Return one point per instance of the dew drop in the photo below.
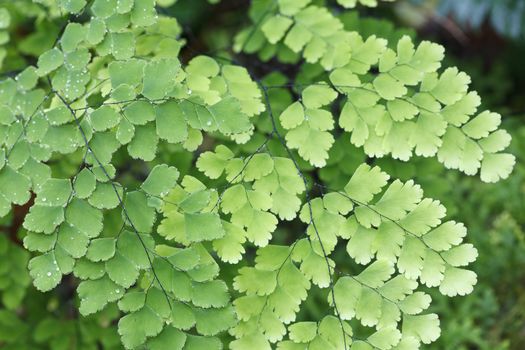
(49, 274)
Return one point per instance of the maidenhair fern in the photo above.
(114, 84)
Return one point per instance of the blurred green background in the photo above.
(485, 38)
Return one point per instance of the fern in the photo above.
(407, 108)
(113, 86)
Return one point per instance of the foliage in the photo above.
(188, 254)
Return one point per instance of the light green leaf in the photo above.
(275, 28)
(497, 166)
(292, 116)
(316, 96)
(388, 87)
(365, 183)
(422, 327)
(457, 282)
(213, 163)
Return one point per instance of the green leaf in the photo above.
(261, 164)
(144, 143)
(210, 294)
(106, 196)
(160, 180)
(101, 249)
(73, 35)
(44, 219)
(49, 61)
(73, 6)
(136, 327)
(482, 125)
(451, 86)
(250, 341)
(213, 163)
(96, 31)
(311, 138)
(428, 56)
(401, 110)
(385, 338)
(125, 131)
(96, 294)
(365, 183)
(275, 28)
(253, 281)
(388, 87)
(203, 227)
(376, 273)
(303, 332)
(84, 217)
(132, 301)
(140, 112)
(317, 96)
(72, 241)
(122, 45)
(104, 118)
(127, 72)
(213, 321)
(14, 186)
(315, 267)
(143, 13)
(422, 327)
(169, 337)
(103, 8)
(202, 343)
(292, 116)
(54, 193)
(59, 115)
(45, 272)
(121, 271)
(159, 77)
(137, 213)
(204, 66)
(84, 184)
(445, 236)
(27, 79)
(457, 282)
(497, 166)
(229, 117)
(171, 123)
